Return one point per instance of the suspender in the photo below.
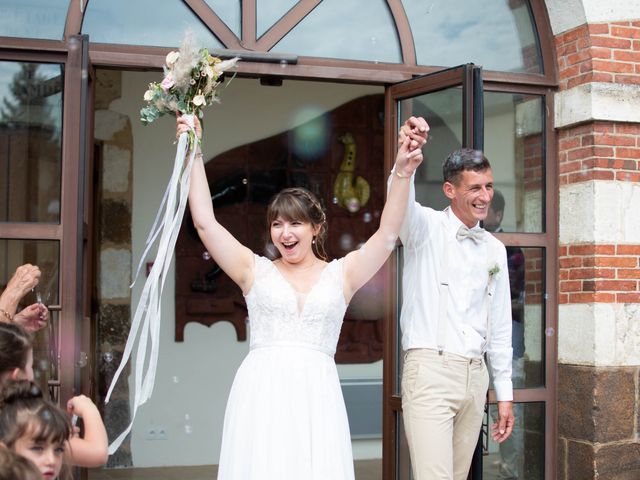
(444, 292)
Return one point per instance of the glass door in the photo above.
(43, 194)
(451, 102)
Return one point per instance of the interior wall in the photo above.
(194, 377)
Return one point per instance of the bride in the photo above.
(285, 417)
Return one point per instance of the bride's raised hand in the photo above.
(183, 125)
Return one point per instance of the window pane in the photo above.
(30, 141)
(497, 35)
(44, 254)
(403, 459)
(526, 276)
(330, 31)
(522, 454)
(119, 21)
(229, 13)
(33, 18)
(269, 12)
(514, 144)
(443, 112)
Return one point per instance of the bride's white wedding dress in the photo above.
(285, 417)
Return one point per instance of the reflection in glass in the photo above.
(30, 141)
(370, 32)
(268, 12)
(514, 144)
(229, 13)
(403, 460)
(497, 35)
(46, 255)
(522, 454)
(33, 18)
(526, 276)
(443, 112)
(119, 21)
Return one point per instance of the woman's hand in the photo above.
(182, 125)
(32, 318)
(411, 138)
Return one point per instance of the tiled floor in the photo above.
(365, 470)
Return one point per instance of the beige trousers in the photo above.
(443, 399)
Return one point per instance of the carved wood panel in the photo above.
(242, 182)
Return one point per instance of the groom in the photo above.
(456, 308)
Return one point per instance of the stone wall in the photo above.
(114, 147)
(598, 122)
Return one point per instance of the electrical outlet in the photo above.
(151, 433)
(161, 433)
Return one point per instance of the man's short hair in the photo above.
(497, 202)
(461, 160)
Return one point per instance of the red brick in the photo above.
(581, 273)
(579, 80)
(627, 177)
(603, 127)
(574, 34)
(579, 57)
(616, 285)
(615, 67)
(602, 53)
(570, 71)
(625, 32)
(636, 45)
(591, 175)
(628, 79)
(580, 153)
(589, 286)
(615, 140)
(626, 56)
(571, 286)
(628, 249)
(609, 42)
(591, 297)
(598, 28)
(627, 152)
(570, 262)
(588, 249)
(630, 273)
(615, 261)
(563, 50)
(627, 128)
(602, 77)
(628, 297)
(567, 167)
(600, 249)
(587, 68)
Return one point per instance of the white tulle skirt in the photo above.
(286, 419)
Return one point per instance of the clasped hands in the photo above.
(411, 138)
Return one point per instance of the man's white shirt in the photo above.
(478, 278)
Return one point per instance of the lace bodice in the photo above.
(274, 315)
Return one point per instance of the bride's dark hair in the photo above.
(299, 204)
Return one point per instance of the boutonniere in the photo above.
(494, 270)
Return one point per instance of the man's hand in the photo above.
(32, 318)
(501, 430)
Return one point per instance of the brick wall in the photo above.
(599, 261)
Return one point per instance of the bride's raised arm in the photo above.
(362, 264)
(232, 257)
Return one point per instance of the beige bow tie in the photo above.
(477, 235)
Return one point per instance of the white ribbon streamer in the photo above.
(146, 320)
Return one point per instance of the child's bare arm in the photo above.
(92, 449)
